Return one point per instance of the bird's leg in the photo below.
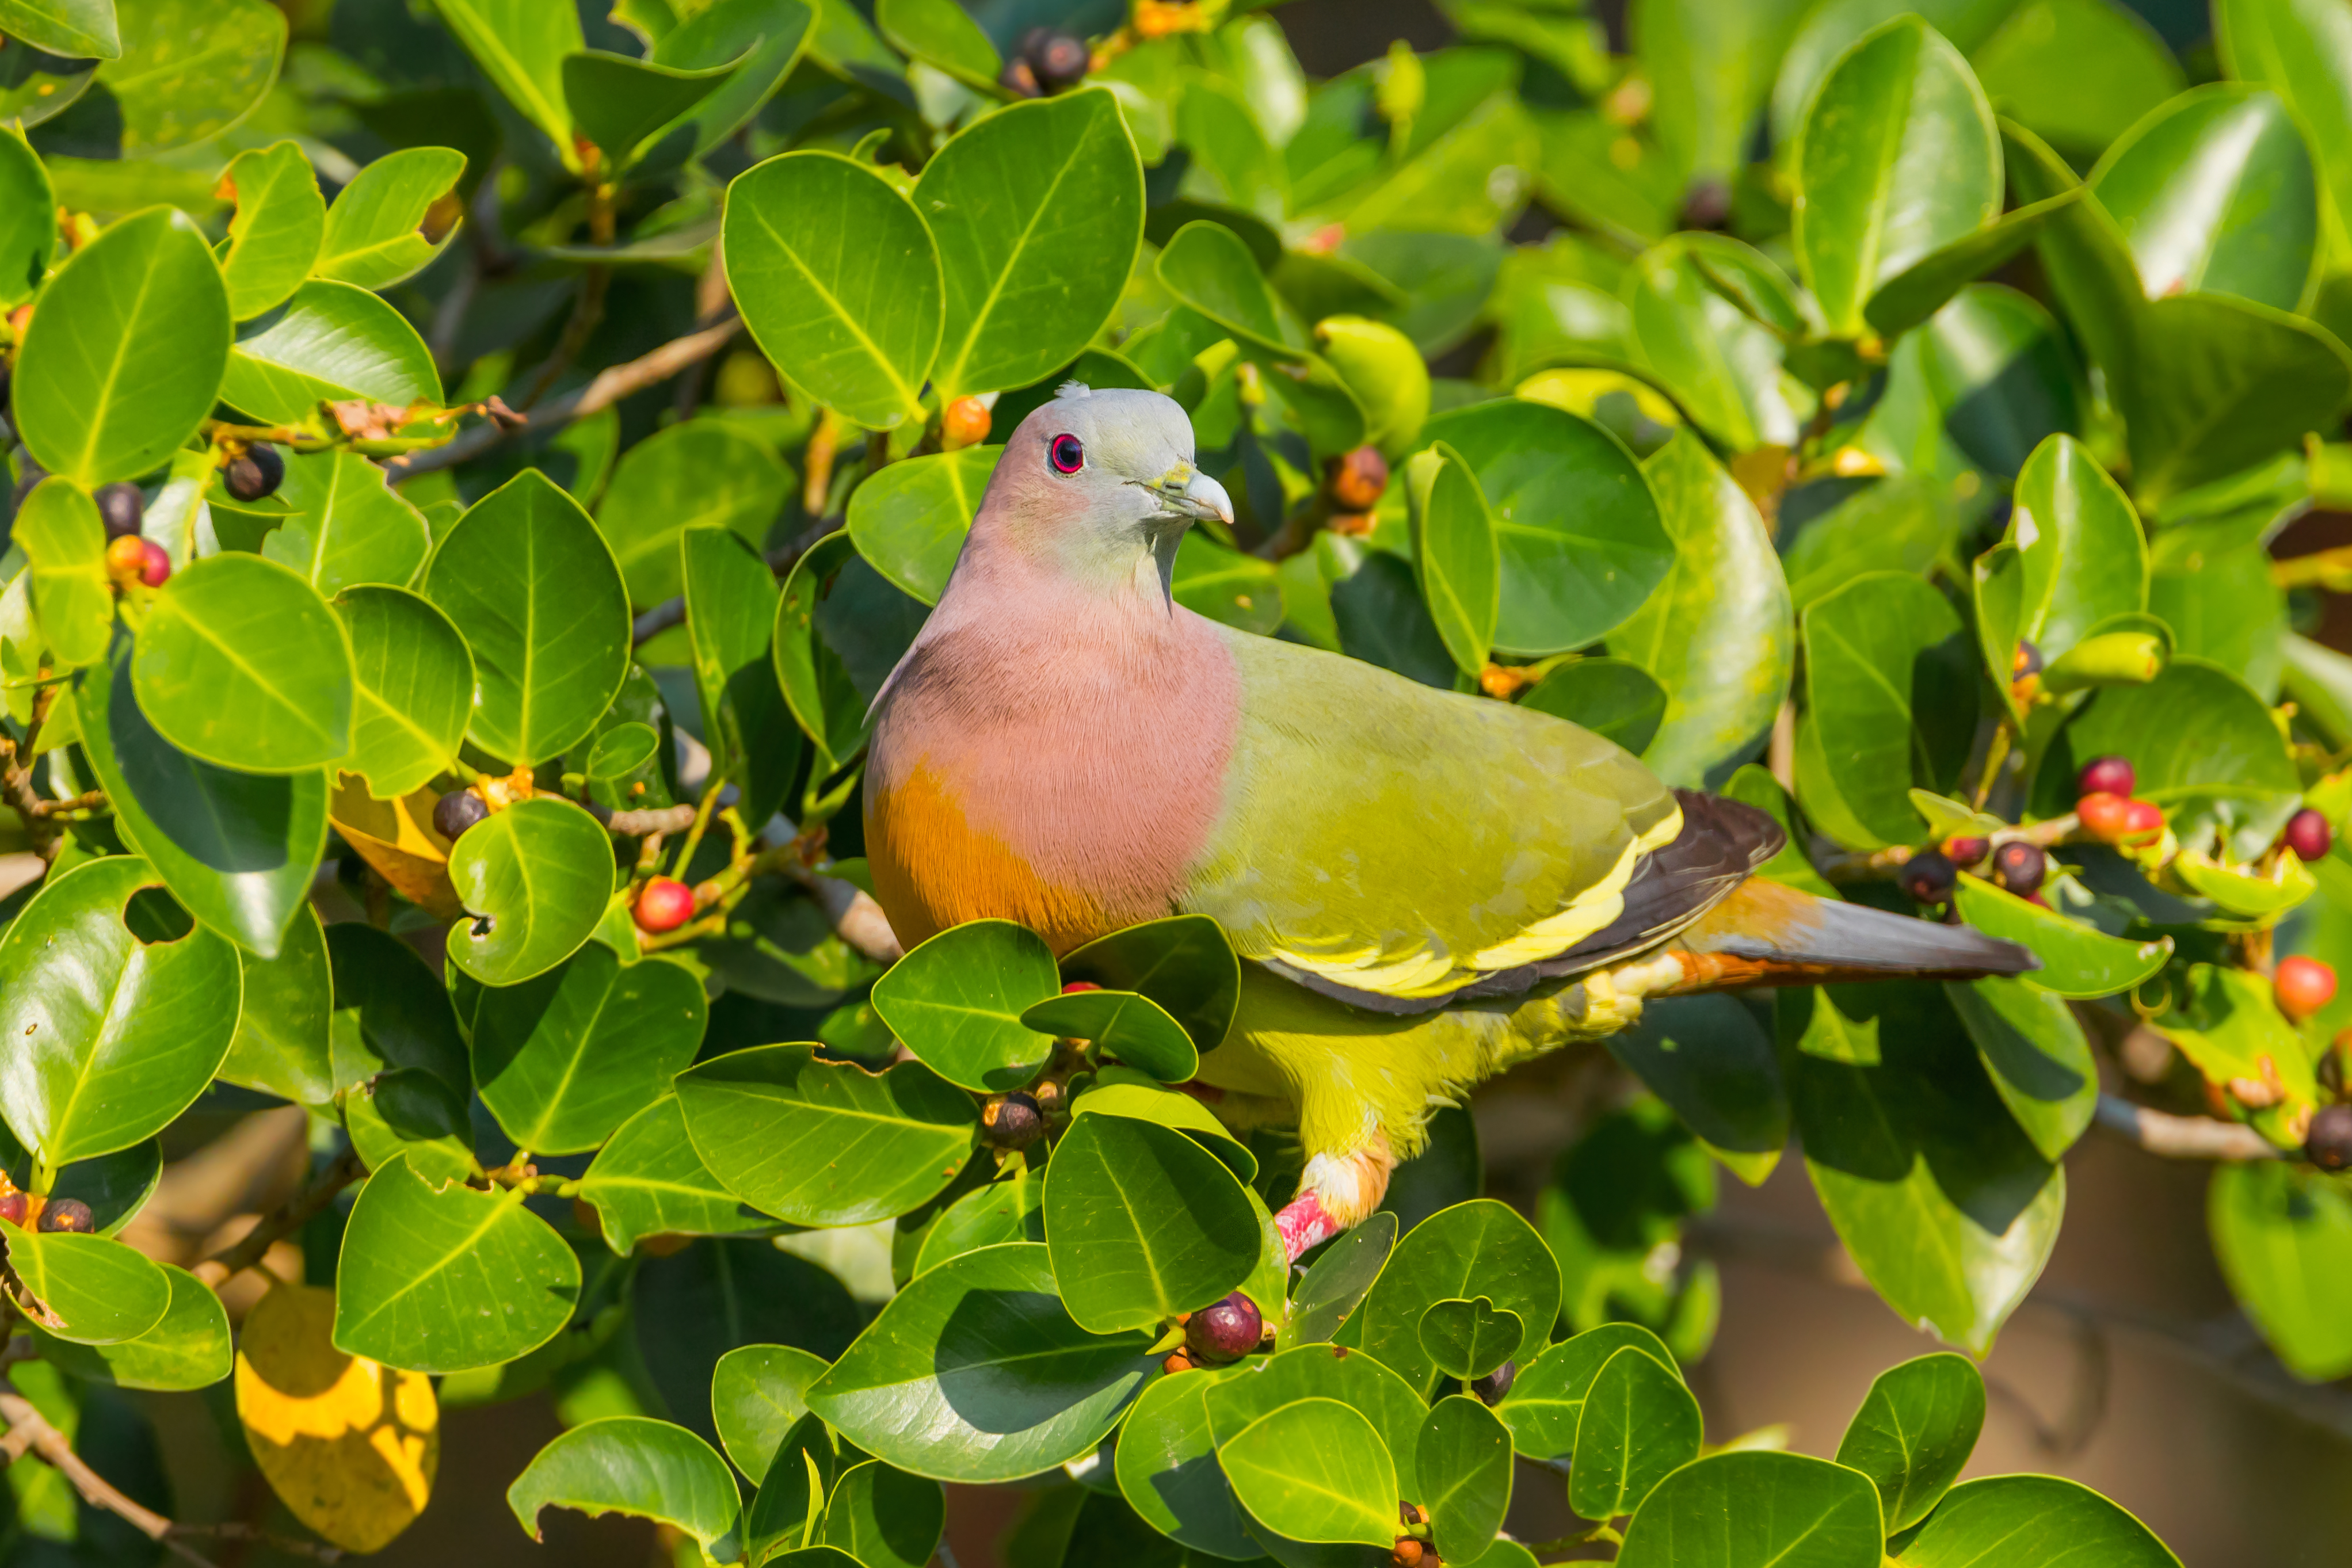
(1335, 1192)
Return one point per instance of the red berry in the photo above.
(156, 564)
(2143, 822)
(2307, 835)
(1225, 1331)
(2302, 987)
(70, 1214)
(13, 1204)
(2106, 816)
(1077, 985)
(1967, 850)
(664, 903)
(1929, 877)
(2328, 1145)
(2106, 775)
(2021, 866)
(964, 423)
(1358, 480)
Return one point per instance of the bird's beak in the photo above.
(1188, 490)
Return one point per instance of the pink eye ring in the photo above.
(1065, 453)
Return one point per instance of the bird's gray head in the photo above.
(1100, 479)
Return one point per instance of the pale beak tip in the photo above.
(1209, 498)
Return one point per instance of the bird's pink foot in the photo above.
(1303, 1222)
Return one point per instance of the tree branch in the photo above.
(283, 1220)
(2183, 1137)
(610, 387)
(29, 1432)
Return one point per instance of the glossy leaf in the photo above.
(2039, 1058)
(1929, 283)
(392, 1012)
(1124, 1027)
(1467, 1340)
(885, 1518)
(1338, 1283)
(784, 1516)
(531, 587)
(371, 234)
(940, 34)
(1183, 963)
(1225, 585)
(1455, 549)
(897, 1138)
(1638, 1425)
(1714, 69)
(412, 688)
(534, 880)
(1463, 1460)
(441, 1282)
(348, 527)
(1011, 1209)
(281, 1046)
(1898, 159)
(1614, 699)
(1166, 1466)
(910, 520)
(617, 101)
(957, 1002)
(1724, 589)
(274, 238)
(1314, 1470)
(188, 1347)
(2077, 72)
(839, 281)
(1545, 1401)
(564, 1060)
(2223, 383)
(1475, 1248)
(2303, 52)
(2032, 1522)
(757, 1396)
(1707, 1059)
(774, 31)
(29, 220)
(125, 355)
(520, 46)
(113, 1028)
(64, 542)
(1038, 211)
(630, 1465)
(237, 849)
(1916, 1428)
(730, 617)
(2079, 558)
(1722, 367)
(816, 682)
(2283, 1239)
(242, 664)
(1756, 1511)
(191, 69)
(975, 1372)
(1209, 268)
(69, 27)
(691, 1307)
(85, 1290)
(1893, 689)
(648, 1181)
(701, 474)
(330, 341)
(1143, 1224)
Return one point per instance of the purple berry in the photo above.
(1930, 877)
(13, 1204)
(2308, 836)
(254, 473)
(2026, 660)
(67, 1214)
(1225, 1331)
(2328, 1145)
(456, 811)
(119, 506)
(1059, 58)
(1498, 1382)
(2106, 775)
(2021, 866)
(1013, 1122)
(1707, 205)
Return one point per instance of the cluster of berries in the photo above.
(662, 904)
(1048, 61)
(69, 1215)
(250, 475)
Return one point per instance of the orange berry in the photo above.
(2302, 987)
(663, 905)
(126, 558)
(964, 423)
(2106, 816)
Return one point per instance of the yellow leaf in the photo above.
(351, 1445)
(396, 837)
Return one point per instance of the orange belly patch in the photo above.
(933, 869)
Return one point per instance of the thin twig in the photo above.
(610, 387)
(29, 1431)
(284, 1221)
(654, 820)
(2184, 1137)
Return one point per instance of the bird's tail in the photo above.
(1766, 934)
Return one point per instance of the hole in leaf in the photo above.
(481, 926)
(154, 916)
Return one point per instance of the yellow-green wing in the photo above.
(1392, 839)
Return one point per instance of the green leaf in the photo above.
(125, 355)
(957, 998)
(534, 879)
(1722, 367)
(564, 1060)
(412, 1114)
(1942, 1202)
(910, 520)
(1898, 158)
(1331, 1290)
(412, 688)
(1614, 699)
(1916, 1428)
(1893, 687)
(1455, 554)
(839, 281)
(1037, 211)
(692, 1307)
(940, 34)
(65, 545)
(617, 102)
(2224, 383)
(2075, 550)
(2039, 1058)
(774, 30)
(1208, 267)
(1707, 1059)
(520, 46)
(348, 525)
(1314, 1470)
(634, 1465)
(330, 341)
(188, 1347)
(1638, 1425)
(1010, 1208)
(239, 663)
(275, 236)
(1790, 867)
(1475, 1248)
(1143, 1223)
(703, 472)
(648, 1181)
(756, 1395)
(73, 28)
(29, 220)
(895, 1138)
(784, 1516)
(281, 1045)
(2078, 72)
(1323, 1372)
(730, 618)
(1928, 285)
(1545, 1401)
(1579, 535)
(1758, 1510)
(529, 584)
(90, 1289)
(113, 1028)
(884, 1517)
(976, 1372)
(237, 849)
(2215, 194)
(442, 1281)
(1712, 65)
(1463, 1459)
(1467, 1340)
(2032, 1522)
(391, 1010)
(1226, 586)
(2303, 53)
(816, 682)
(2283, 1239)
(1185, 963)
(191, 69)
(1724, 589)
(1124, 1026)
(1166, 1466)
(373, 236)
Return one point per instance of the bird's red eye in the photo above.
(1066, 455)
